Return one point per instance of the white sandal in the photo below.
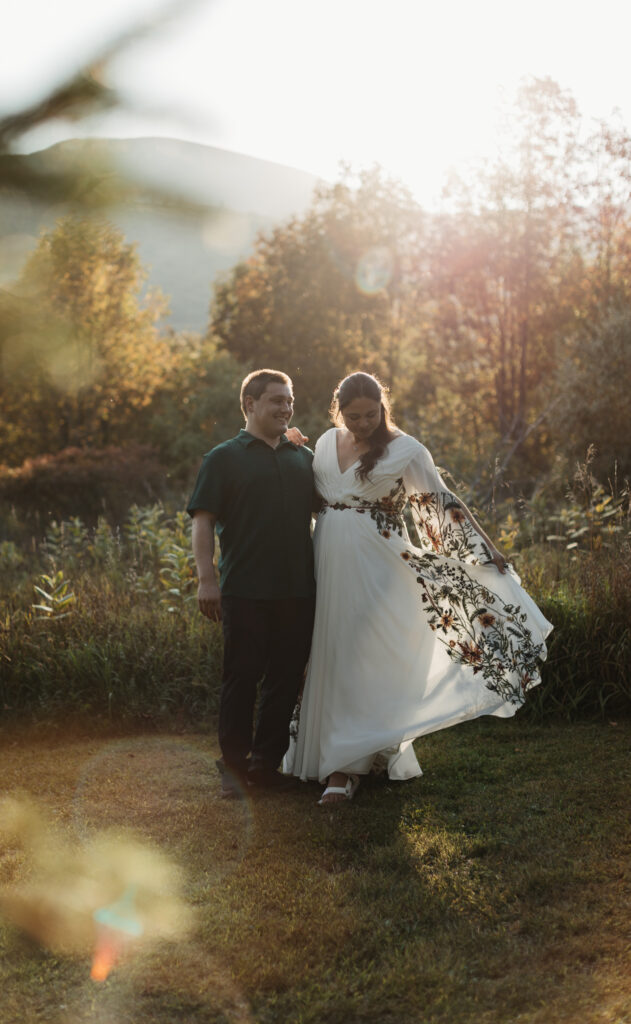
(348, 791)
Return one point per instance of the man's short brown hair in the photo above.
(256, 382)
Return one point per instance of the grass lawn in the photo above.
(494, 889)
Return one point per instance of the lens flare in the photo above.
(84, 885)
(63, 888)
(374, 270)
(106, 955)
(226, 230)
(61, 356)
(121, 916)
(117, 925)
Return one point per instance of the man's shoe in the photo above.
(230, 788)
(261, 777)
(233, 781)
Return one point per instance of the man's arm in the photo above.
(208, 593)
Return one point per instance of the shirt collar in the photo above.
(246, 439)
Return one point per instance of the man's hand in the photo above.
(208, 594)
(209, 600)
(296, 436)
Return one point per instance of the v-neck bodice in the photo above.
(337, 456)
(335, 484)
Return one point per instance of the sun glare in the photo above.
(410, 85)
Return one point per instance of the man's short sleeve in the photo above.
(209, 490)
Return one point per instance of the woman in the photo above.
(412, 634)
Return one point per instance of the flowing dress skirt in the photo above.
(395, 653)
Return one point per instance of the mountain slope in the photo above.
(183, 250)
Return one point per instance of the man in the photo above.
(257, 490)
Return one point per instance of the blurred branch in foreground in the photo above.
(85, 92)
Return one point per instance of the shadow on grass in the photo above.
(490, 890)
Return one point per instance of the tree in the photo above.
(506, 266)
(82, 353)
(195, 407)
(607, 232)
(594, 406)
(325, 294)
(468, 313)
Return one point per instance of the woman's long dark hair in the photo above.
(364, 385)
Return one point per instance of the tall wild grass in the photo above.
(576, 562)
(102, 623)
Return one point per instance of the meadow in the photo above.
(100, 624)
(492, 889)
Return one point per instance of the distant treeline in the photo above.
(502, 323)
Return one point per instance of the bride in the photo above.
(414, 631)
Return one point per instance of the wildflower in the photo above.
(446, 620)
(471, 653)
(487, 619)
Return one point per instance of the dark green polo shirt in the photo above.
(262, 498)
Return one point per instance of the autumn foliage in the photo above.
(98, 481)
(501, 321)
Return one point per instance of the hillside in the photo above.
(182, 249)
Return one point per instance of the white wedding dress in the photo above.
(413, 633)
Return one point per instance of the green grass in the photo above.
(491, 890)
(123, 654)
(117, 657)
(587, 597)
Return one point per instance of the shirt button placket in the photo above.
(284, 520)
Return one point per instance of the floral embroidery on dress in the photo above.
(295, 720)
(495, 642)
(386, 512)
(443, 526)
(472, 622)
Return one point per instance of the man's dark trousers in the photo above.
(267, 642)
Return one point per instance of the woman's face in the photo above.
(362, 417)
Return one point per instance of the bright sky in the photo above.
(411, 84)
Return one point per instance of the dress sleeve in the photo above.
(438, 514)
(420, 474)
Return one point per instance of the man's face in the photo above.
(270, 414)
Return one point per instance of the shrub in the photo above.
(82, 483)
